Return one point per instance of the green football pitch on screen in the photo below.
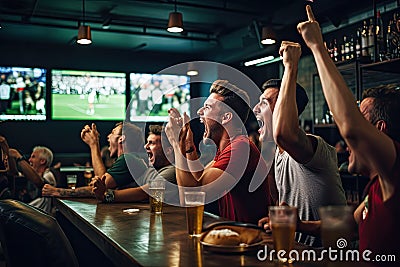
(77, 107)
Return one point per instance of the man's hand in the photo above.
(310, 30)
(99, 187)
(50, 191)
(14, 153)
(290, 52)
(90, 135)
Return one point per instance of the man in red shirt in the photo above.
(228, 177)
(372, 133)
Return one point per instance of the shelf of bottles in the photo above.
(372, 41)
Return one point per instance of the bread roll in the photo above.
(232, 236)
(225, 237)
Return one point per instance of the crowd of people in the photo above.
(304, 170)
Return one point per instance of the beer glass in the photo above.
(282, 220)
(194, 202)
(71, 181)
(157, 189)
(336, 225)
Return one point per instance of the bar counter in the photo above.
(145, 239)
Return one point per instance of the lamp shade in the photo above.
(175, 22)
(268, 35)
(84, 35)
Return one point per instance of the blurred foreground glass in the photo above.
(336, 225)
(194, 202)
(157, 189)
(282, 220)
(71, 181)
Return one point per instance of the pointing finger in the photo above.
(310, 14)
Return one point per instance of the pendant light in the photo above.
(175, 22)
(84, 34)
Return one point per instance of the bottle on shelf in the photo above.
(346, 44)
(358, 44)
(380, 41)
(371, 39)
(389, 41)
(342, 53)
(335, 51)
(364, 40)
(351, 44)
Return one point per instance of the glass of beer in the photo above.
(336, 226)
(157, 189)
(71, 181)
(194, 202)
(282, 220)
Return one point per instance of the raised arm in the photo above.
(181, 138)
(372, 146)
(90, 136)
(26, 168)
(287, 133)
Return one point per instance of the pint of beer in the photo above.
(157, 189)
(336, 226)
(283, 221)
(194, 202)
(156, 200)
(71, 181)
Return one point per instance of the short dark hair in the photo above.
(237, 99)
(160, 131)
(134, 136)
(301, 95)
(386, 107)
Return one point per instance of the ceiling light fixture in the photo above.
(268, 35)
(175, 22)
(258, 61)
(192, 73)
(84, 34)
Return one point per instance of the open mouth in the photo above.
(150, 155)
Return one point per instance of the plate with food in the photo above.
(228, 237)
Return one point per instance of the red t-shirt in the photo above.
(379, 231)
(241, 159)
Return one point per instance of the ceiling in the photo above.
(221, 30)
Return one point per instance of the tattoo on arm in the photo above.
(78, 192)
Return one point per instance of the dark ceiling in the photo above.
(221, 30)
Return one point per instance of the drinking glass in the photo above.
(194, 202)
(336, 225)
(157, 190)
(71, 181)
(282, 220)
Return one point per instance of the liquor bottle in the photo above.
(342, 53)
(351, 44)
(364, 39)
(371, 39)
(346, 47)
(379, 36)
(330, 50)
(358, 44)
(335, 51)
(389, 41)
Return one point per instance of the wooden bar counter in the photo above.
(145, 239)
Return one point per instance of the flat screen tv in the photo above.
(22, 93)
(87, 95)
(153, 94)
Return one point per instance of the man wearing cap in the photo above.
(306, 172)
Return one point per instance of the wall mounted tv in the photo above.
(22, 93)
(153, 94)
(88, 95)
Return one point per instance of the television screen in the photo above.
(22, 93)
(153, 94)
(88, 95)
